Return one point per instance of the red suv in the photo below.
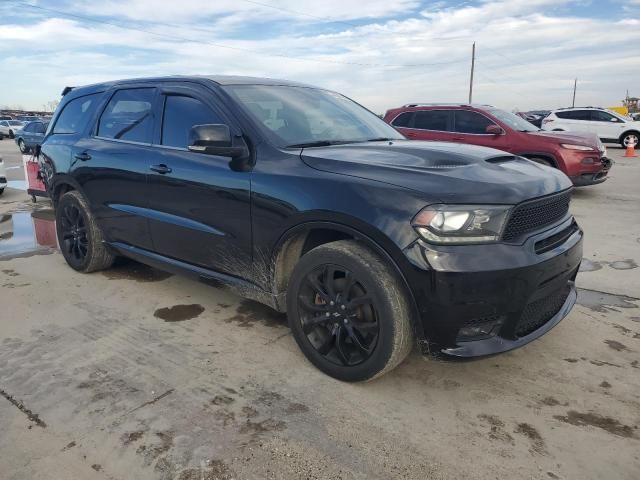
(581, 156)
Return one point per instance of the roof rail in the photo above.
(447, 104)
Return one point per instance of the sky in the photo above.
(381, 53)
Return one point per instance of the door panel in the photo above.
(201, 207)
(112, 166)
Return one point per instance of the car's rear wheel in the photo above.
(349, 311)
(79, 237)
(23, 148)
(630, 138)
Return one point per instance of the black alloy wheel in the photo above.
(74, 233)
(340, 319)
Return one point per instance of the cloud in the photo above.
(528, 52)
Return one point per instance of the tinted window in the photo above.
(39, 127)
(29, 127)
(128, 116)
(598, 116)
(402, 120)
(74, 116)
(471, 122)
(180, 114)
(574, 115)
(432, 120)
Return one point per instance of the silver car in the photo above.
(8, 128)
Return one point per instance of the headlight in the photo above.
(571, 146)
(455, 224)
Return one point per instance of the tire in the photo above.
(80, 239)
(629, 138)
(356, 326)
(23, 148)
(1, 190)
(11, 134)
(542, 161)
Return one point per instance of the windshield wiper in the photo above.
(318, 143)
(381, 139)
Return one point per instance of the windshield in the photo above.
(302, 116)
(14, 122)
(514, 121)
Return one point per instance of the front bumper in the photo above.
(517, 293)
(595, 177)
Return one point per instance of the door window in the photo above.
(75, 114)
(599, 116)
(180, 115)
(128, 116)
(471, 122)
(574, 115)
(439, 120)
(39, 127)
(29, 128)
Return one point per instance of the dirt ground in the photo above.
(133, 373)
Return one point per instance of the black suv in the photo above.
(301, 199)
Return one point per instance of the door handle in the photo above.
(84, 156)
(162, 168)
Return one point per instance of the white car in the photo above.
(609, 126)
(3, 176)
(8, 128)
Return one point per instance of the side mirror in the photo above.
(613, 119)
(495, 130)
(215, 139)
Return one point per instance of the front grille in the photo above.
(556, 240)
(535, 214)
(539, 312)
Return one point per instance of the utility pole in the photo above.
(473, 64)
(575, 85)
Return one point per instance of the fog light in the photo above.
(480, 328)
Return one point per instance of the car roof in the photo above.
(215, 79)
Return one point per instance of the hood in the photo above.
(579, 138)
(443, 172)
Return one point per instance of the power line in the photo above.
(231, 47)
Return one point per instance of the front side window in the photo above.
(180, 115)
(128, 116)
(75, 114)
(439, 120)
(599, 116)
(513, 120)
(298, 116)
(471, 122)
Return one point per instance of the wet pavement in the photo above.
(25, 232)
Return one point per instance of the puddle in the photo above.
(589, 266)
(27, 233)
(603, 302)
(17, 184)
(624, 264)
(179, 313)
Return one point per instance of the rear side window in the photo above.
(575, 115)
(73, 117)
(180, 115)
(402, 120)
(433, 120)
(471, 122)
(128, 116)
(39, 127)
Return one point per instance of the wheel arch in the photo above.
(61, 184)
(301, 238)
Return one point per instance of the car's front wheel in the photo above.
(349, 312)
(79, 236)
(630, 139)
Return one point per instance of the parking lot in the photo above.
(135, 373)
